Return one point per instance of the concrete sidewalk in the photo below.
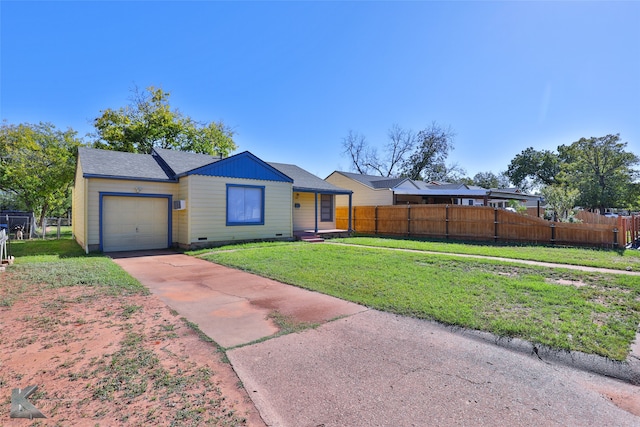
(371, 368)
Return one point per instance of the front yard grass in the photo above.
(567, 310)
(61, 262)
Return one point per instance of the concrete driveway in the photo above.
(370, 368)
(232, 307)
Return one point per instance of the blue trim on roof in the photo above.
(243, 165)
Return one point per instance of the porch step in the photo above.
(312, 239)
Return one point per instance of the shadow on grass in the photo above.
(62, 248)
(619, 250)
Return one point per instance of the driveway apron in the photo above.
(370, 368)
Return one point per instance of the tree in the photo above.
(490, 180)
(601, 170)
(37, 166)
(414, 155)
(365, 159)
(561, 199)
(355, 146)
(532, 168)
(428, 160)
(150, 122)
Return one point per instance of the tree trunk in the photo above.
(43, 214)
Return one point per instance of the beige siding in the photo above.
(362, 195)
(78, 209)
(181, 224)
(97, 185)
(208, 215)
(304, 217)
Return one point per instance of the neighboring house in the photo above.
(369, 190)
(125, 201)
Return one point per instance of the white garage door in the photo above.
(134, 223)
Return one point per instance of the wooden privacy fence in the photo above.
(476, 223)
(629, 227)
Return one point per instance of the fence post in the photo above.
(446, 222)
(615, 237)
(408, 220)
(495, 224)
(553, 233)
(375, 220)
(353, 219)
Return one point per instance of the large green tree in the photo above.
(150, 122)
(599, 168)
(532, 168)
(602, 171)
(37, 166)
(489, 180)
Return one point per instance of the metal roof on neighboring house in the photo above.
(435, 188)
(463, 192)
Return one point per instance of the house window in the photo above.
(471, 202)
(245, 205)
(326, 207)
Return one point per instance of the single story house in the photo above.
(126, 201)
(370, 190)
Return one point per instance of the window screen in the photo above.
(245, 205)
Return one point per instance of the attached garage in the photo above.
(134, 222)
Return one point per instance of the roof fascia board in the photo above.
(128, 178)
(320, 190)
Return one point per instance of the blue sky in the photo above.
(292, 78)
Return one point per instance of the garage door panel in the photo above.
(134, 223)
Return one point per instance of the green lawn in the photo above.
(564, 309)
(56, 263)
(614, 259)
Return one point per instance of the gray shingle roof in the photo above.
(182, 161)
(117, 164)
(303, 180)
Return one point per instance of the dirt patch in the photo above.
(626, 398)
(111, 360)
(565, 282)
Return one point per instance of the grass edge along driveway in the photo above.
(594, 313)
